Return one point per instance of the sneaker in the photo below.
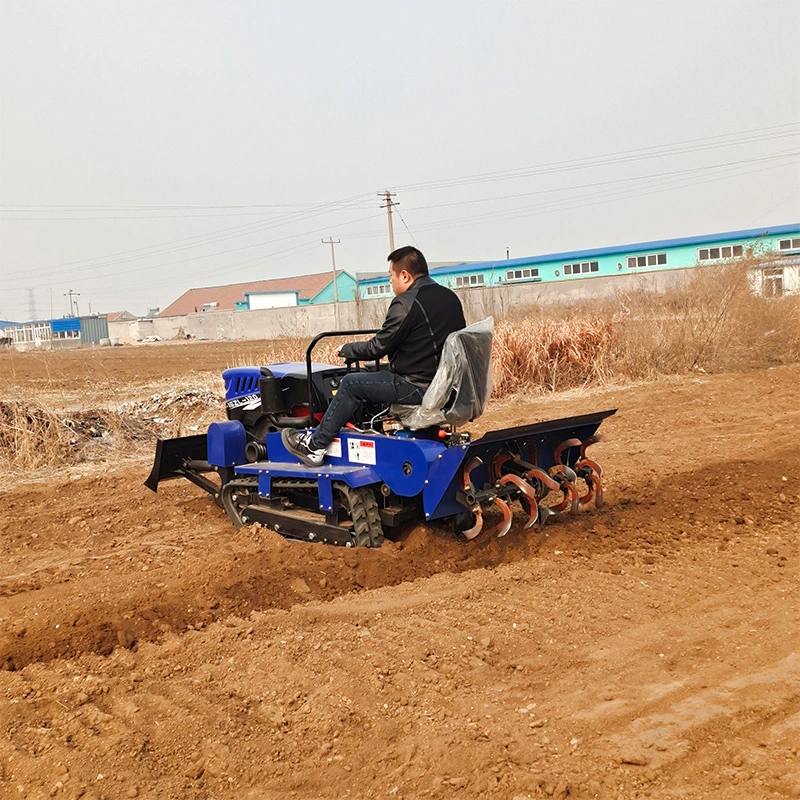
(298, 443)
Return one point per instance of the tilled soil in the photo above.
(648, 649)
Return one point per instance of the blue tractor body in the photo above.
(375, 482)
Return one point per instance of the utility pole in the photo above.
(331, 241)
(387, 195)
(71, 294)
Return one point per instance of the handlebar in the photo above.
(319, 337)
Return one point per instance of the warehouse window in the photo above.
(381, 289)
(713, 253)
(789, 244)
(650, 260)
(521, 274)
(773, 282)
(468, 280)
(582, 267)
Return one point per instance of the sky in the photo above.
(149, 147)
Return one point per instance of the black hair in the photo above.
(409, 259)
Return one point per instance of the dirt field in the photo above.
(650, 649)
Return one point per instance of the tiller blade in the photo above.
(468, 498)
(591, 472)
(529, 493)
(472, 498)
(529, 463)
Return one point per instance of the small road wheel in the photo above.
(362, 508)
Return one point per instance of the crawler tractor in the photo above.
(389, 468)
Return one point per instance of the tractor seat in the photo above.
(462, 384)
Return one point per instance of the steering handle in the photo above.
(318, 338)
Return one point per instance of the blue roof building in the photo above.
(662, 254)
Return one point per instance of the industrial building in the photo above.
(773, 252)
(58, 333)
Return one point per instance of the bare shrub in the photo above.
(32, 436)
(551, 354)
(709, 323)
(167, 415)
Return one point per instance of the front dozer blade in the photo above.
(173, 456)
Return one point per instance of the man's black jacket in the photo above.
(413, 333)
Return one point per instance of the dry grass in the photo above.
(294, 350)
(552, 355)
(704, 325)
(35, 437)
(709, 325)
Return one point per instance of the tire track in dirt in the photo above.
(192, 578)
(647, 650)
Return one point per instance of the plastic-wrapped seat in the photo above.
(462, 384)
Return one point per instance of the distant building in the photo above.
(56, 333)
(774, 254)
(278, 292)
(120, 316)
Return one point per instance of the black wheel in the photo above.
(362, 509)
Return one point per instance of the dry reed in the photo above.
(551, 355)
(32, 437)
(703, 325)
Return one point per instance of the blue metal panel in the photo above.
(325, 494)
(298, 368)
(226, 443)
(402, 464)
(242, 383)
(64, 325)
(439, 497)
(352, 475)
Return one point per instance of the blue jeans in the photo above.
(357, 388)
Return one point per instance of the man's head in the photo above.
(406, 265)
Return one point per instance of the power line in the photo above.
(283, 215)
(621, 156)
(567, 204)
(228, 252)
(635, 178)
(407, 228)
(176, 246)
(546, 208)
